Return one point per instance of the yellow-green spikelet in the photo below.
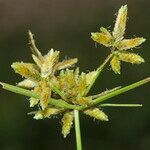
(131, 58)
(67, 122)
(115, 64)
(97, 114)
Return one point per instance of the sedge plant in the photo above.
(57, 87)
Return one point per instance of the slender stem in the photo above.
(77, 121)
(120, 105)
(61, 94)
(119, 91)
(99, 70)
(115, 93)
(52, 101)
(77, 130)
(63, 104)
(104, 93)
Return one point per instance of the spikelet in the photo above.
(120, 25)
(33, 47)
(34, 101)
(45, 94)
(51, 111)
(37, 61)
(29, 84)
(83, 101)
(41, 114)
(115, 64)
(66, 63)
(90, 76)
(67, 122)
(131, 58)
(50, 60)
(97, 114)
(67, 79)
(27, 70)
(82, 84)
(101, 38)
(129, 43)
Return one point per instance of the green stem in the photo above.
(52, 101)
(120, 91)
(63, 104)
(77, 130)
(115, 93)
(77, 122)
(120, 105)
(99, 70)
(104, 93)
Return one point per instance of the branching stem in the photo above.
(99, 70)
(63, 104)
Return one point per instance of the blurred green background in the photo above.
(65, 25)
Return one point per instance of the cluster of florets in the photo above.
(47, 76)
(116, 42)
(50, 78)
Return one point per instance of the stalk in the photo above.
(120, 105)
(52, 101)
(63, 104)
(99, 70)
(77, 130)
(120, 91)
(115, 93)
(76, 113)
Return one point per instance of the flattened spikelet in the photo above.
(131, 58)
(84, 101)
(50, 60)
(66, 63)
(90, 76)
(101, 38)
(45, 94)
(45, 113)
(120, 24)
(97, 114)
(27, 84)
(115, 64)
(82, 84)
(37, 61)
(67, 122)
(130, 43)
(27, 70)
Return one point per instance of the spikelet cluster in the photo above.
(38, 75)
(97, 114)
(50, 78)
(74, 85)
(47, 72)
(117, 43)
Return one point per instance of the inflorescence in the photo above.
(51, 78)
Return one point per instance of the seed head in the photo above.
(97, 114)
(67, 122)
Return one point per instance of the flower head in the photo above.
(117, 43)
(38, 75)
(59, 90)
